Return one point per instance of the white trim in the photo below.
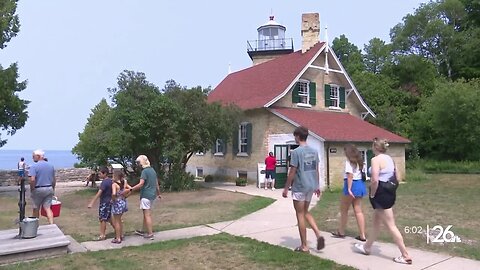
(199, 154)
(326, 69)
(348, 92)
(335, 108)
(307, 94)
(364, 115)
(295, 124)
(351, 84)
(304, 105)
(242, 154)
(271, 102)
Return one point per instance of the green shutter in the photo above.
(224, 147)
(341, 93)
(249, 138)
(327, 95)
(295, 96)
(313, 93)
(214, 146)
(369, 161)
(235, 140)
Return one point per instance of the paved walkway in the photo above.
(276, 224)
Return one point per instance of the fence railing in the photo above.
(270, 44)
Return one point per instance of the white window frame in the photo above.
(218, 148)
(336, 88)
(304, 93)
(364, 154)
(242, 135)
(200, 153)
(197, 174)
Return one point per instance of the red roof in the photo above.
(338, 126)
(255, 86)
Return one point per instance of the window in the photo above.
(219, 147)
(199, 172)
(243, 139)
(200, 153)
(334, 96)
(303, 92)
(242, 174)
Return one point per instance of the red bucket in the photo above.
(56, 206)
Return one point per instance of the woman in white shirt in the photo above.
(382, 198)
(353, 191)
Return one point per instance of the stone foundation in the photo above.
(9, 178)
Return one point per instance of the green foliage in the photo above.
(377, 55)
(178, 180)
(167, 126)
(9, 22)
(444, 166)
(415, 176)
(448, 124)
(348, 54)
(209, 178)
(13, 114)
(241, 182)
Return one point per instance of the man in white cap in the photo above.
(42, 184)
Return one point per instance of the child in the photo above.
(105, 205)
(120, 190)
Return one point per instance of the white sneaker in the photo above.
(361, 249)
(273, 188)
(266, 188)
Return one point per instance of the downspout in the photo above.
(327, 148)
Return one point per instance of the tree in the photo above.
(13, 114)
(448, 123)
(445, 32)
(348, 54)
(166, 125)
(377, 55)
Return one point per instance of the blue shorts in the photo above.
(270, 174)
(358, 188)
(21, 173)
(104, 211)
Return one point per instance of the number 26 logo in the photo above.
(444, 235)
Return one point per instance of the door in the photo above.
(281, 155)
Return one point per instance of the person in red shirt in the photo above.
(270, 163)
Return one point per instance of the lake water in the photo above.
(60, 159)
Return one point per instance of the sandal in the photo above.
(320, 243)
(299, 249)
(402, 260)
(361, 249)
(100, 238)
(360, 239)
(148, 236)
(116, 241)
(337, 234)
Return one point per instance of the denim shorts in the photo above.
(359, 189)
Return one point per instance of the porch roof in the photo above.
(336, 126)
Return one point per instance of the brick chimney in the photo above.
(310, 30)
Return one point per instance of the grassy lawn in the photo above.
(174, 210)
(441, 199)
(221, 251)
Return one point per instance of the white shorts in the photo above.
(146, 204)
(302, 196)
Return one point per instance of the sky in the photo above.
(70, 52)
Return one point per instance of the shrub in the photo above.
(436, 166)
(209, 178)
(241, 182)
(178, 180)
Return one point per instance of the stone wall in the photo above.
(9, 178)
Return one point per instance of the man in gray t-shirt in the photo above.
(42, 185)
(303, 177)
